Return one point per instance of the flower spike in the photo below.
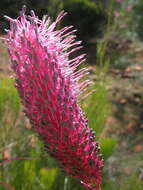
(49, 85)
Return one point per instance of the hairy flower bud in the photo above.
(49, 85)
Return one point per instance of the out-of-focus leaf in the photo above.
(47, 177)
(97, 108)
(107, 147)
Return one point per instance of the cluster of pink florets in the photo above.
(48, 84)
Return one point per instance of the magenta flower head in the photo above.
(49, 85)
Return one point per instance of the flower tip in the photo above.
(61, 15)
(8, 18)
(89, 187)
(23, 11)
(32, 13)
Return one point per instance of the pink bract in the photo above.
(49, 85)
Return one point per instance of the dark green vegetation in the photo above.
(84, 14)
(115, 111)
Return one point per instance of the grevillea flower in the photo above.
(49, 85)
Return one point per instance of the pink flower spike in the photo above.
(49, 85)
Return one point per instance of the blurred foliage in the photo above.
(9, 100)
(119, 35)
(83, 14)
(96, 108)
(138, 16)
(107, 147)
(9, 112)
(131, 184)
